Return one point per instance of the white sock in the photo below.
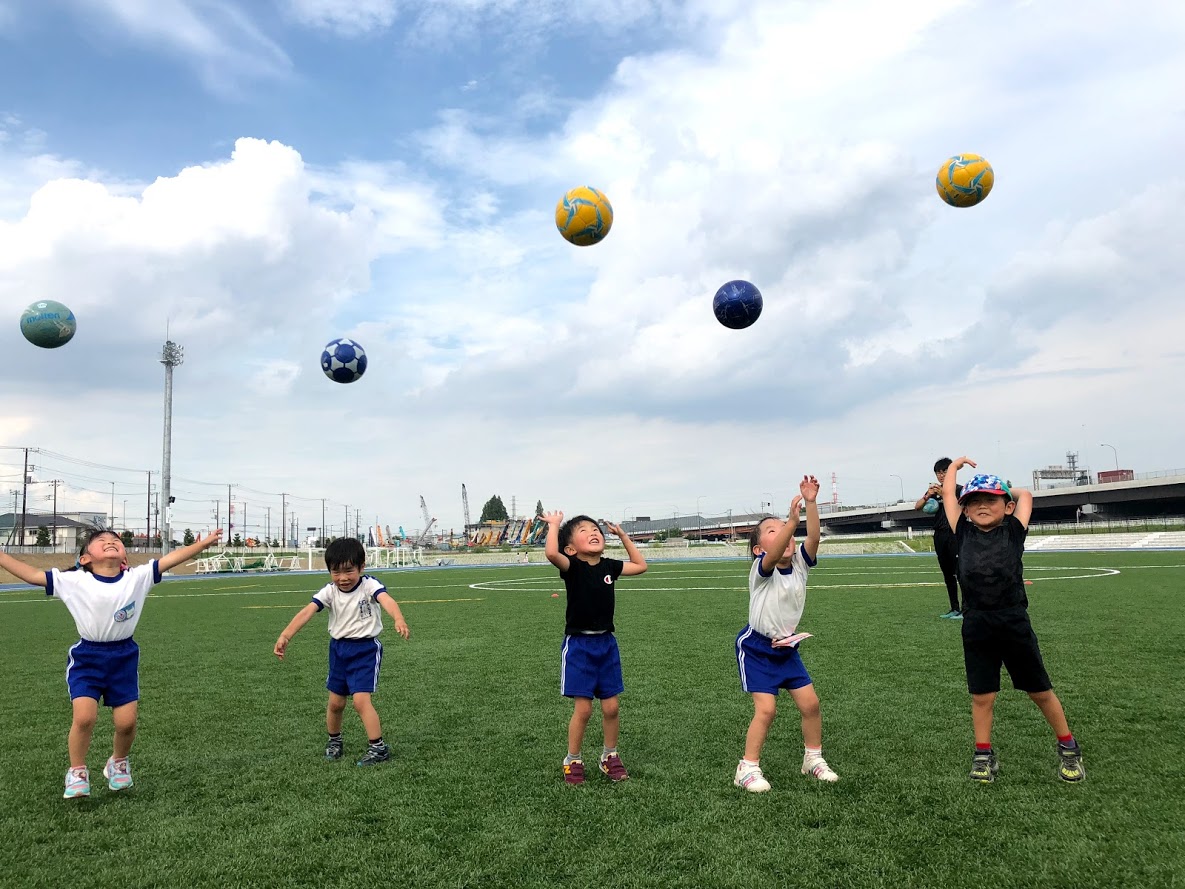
(749, 763)
(813, 753)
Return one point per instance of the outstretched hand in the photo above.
(553, 518)
(809, 486)
(960, 463)
(613, 529)
(796, 507)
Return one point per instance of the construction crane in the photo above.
(465, 503)
(428, 523)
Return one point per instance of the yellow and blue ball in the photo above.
(964, 180)
(584, 216)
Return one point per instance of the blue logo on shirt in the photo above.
(125, 613)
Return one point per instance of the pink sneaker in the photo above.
(611, 766)
(118, 773)
(78, 783)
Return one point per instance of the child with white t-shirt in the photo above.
(767, 648)
(105, 598)
(354, 601)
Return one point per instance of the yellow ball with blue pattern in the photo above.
(965, 180)
(584, 216)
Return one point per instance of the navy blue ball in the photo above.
(737, 304)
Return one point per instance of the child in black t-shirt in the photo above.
(991, 523)
(590, 664)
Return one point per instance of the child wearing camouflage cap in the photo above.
(991, 522)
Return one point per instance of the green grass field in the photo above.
(231, 788)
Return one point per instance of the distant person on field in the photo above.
(590, 664)
(945, 546)
(106, 599)
(767, 648)
(991, 523)
(355, 602)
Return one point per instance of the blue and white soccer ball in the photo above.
(343, 361)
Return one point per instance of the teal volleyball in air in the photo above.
(48, 324)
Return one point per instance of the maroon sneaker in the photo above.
(574, 772)
(611, 766)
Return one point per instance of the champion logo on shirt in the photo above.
(125, 613)
(609, 579)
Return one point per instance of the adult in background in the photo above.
(945, 546)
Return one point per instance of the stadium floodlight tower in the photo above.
(171, 356)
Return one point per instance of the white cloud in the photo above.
(449, 20)
(215, 36)
(796, 149)
(347, 17)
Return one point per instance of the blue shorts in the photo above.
(590, 667)
(764, 668)
(354, 665)
(107, 671)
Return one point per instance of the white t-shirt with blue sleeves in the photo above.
(776, 600)
(356, 614)
(105, 609)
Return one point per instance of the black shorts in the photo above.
(1005, 637)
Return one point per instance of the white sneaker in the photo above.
(750, 778)
(819, 769)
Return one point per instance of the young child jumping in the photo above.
(106, 599)
(590, 663)
(767, 648)
(355, 653)
(991, 522)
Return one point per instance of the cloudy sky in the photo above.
(261, 177)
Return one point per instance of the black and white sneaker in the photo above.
(375, 755)
(333, 750)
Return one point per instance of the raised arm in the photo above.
(551, 547)
(183, 555)
(814, 532)
(294, 625)
(950, 497)
(1024, 505)
(636, 564)
(21, 570)
(782, 539)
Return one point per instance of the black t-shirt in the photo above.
(991, 569)
(590, 595)
(941, 525)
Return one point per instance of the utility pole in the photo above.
(322, 521)
(54, 539)
(111, 523)
(230, 516)
(171, 356)
(346, 523)
(284, 518)
(24, 499)
(267, 530)
(148, 514)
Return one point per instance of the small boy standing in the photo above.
(991, 522)
(590, 665)
(355, 653)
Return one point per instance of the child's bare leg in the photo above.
(579, 722)
(124, 717)
(610, 721)
(86, 712)
(981, 716)
(812, 718)
(1051, 708)
(764, 709)
(333, 713)
(368, 715)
